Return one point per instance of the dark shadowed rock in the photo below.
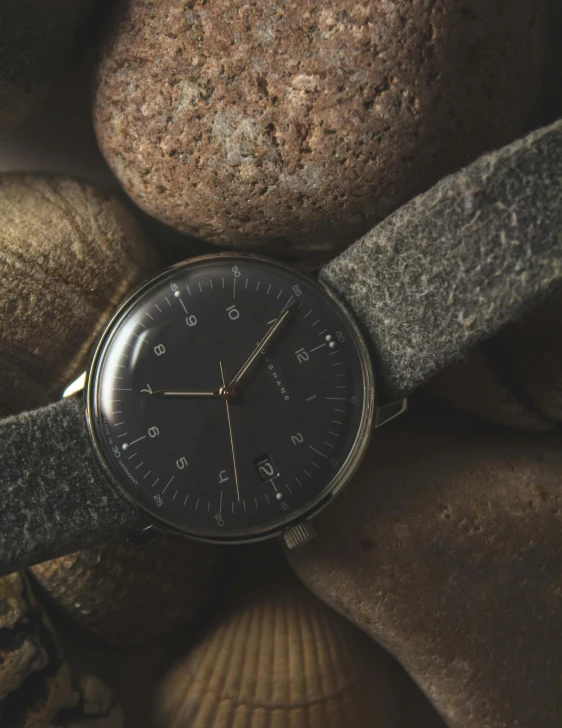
(38, 41)
(297, 128)
(129, 595)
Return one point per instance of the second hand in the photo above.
(230, 433)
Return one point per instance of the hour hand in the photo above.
(281, 322)
(188, 393)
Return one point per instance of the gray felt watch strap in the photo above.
(445, 271)
(55, 497)
(458, 262)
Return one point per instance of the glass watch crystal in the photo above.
(230, 397)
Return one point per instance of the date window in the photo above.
(265, 467)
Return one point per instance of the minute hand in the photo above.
(282, 321)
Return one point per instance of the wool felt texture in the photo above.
(458, 262)
(55, 496)
(439, 275)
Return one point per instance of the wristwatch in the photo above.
(231, 397)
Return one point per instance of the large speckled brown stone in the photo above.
(68, 254)
(447, 548)
(38, 40)
(130, 595)
(296, 127)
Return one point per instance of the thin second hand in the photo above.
(231, 437)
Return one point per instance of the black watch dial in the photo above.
(230, 396)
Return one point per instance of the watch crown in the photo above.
(298, 535)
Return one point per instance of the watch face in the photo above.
(230, 396)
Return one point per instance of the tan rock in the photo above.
(446, 547)
(129, 595)
(68, 254)
(297, 128)
(96, 697)
(279, 658)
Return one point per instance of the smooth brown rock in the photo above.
(38, 41)
(68, 254)
(447, 548)
(129, 595)
(280, 658)
(297, 128)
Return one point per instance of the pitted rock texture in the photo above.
(446, 548)
(38, 41)
(296, 128)
(128, 595)
(68, 255)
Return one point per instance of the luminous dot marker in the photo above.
(279, 496)
(125, 446)
(177, 294)
(332, 344)
(329, 337)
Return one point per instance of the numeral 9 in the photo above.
(191, 320)
(153, 432)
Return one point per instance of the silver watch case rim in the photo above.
(371, 416)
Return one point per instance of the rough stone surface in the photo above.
(279, 657)
(446, 547)
(129, 595)
(37, 42)
(35, 682)
(297, 128)
(68, 254)
(21, 650)
(457, 263)
(53, 503)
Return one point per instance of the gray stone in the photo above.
(447, 549)
(457, 263)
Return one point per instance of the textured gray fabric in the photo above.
(442, 273)
(54, 497)
(456, 263)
